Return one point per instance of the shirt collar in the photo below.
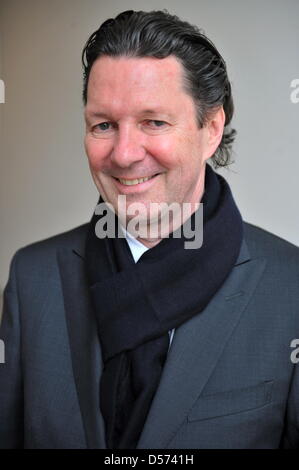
(137, 248)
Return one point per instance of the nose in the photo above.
(128, 146)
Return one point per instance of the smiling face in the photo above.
(141, 123)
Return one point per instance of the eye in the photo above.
(156, 123)
(102, 126)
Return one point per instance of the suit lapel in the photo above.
(84, 344)
(195, 351)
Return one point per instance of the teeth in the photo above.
(137, 181)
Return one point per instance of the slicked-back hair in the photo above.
(159, 34)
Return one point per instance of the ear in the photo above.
(214, 132)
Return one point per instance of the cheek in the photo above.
(165, 150)
(97, 152)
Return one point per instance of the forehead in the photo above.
(132, 80)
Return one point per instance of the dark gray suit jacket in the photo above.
(228, 382)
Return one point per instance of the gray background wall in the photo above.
(45, 184)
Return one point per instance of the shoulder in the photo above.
(260, 242)
(45, 250)
(263, 244)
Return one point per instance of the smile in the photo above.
(131, 182)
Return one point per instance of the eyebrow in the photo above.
(89, 115)
(147, 112)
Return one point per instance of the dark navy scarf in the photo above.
(137, 304)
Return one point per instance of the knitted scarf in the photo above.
(136, 304)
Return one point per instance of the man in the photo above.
(129, 339)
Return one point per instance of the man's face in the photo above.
(140, 123)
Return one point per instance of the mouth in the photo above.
(134, 185)
(135, 181)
